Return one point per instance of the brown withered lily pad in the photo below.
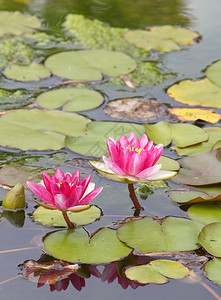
(201, 169)
(136, 108)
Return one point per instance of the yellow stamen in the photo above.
(138, 150)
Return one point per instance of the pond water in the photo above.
(22, 241)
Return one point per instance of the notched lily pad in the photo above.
(193, 114)
(33, 72)
(202, 92)
(163, 38)
(17, 23)
(157, 271)
(89, 65)
(54, 217)
(71, 99)
(201, 169)
(210, 238)
(182, 135)
(136, 108)
(76, 246)
(94, 142)
(205, 213)
(213, 142)
(38, 129)
(168, 235)
(213, 73)
(213, 270)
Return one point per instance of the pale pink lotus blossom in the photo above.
(133, 159)
(65, 191)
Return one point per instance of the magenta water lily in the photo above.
(133, 159)
(65, 191)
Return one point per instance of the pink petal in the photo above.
(85, 182)
(68, 177)
(75, 196)
(143, 140)
(123, 141)
(149, 145)
(61, 201)
(90, 196)
(59, 175)
(47, 180)
(124, 159)
(76, 177)
(133, 140)
(136, 163)
(41, 192)
(113, 166)
(113, 151)
(149, 171)
(65, 188)
(113, 140)
(159, 150)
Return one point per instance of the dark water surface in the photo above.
(198, 15)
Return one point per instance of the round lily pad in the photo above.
(213, 270)
(33, 72)
(89, 65)
(75, 245)
(54, 217)
(17, 23)
(205, 213)
(71, 99)
(38, 129)
(163, 38)
(202, 92)
(94, 143)
(213, 73)
(214, 134)
(210, 238)
(201, 169)
(182, 135)
(157, 271)
(169, 235)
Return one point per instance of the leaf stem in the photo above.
(67, 220)
(133, 196)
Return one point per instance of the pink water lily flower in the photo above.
(65, 191)
(133, 159)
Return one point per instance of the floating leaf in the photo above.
(15, 198)
(157, 271)
(17, 23)
(193, 114)
(201, 92)
(89, 65)
(71, 99)
(33, 72)
(213, 73)
(213, 270)
(136, 108)
(201, 169)
(210, 238)
(214, 134)
(170, 235)
(205, 213)
(55, 218)
(38, 129)
(163, 38)
(208, 194)
(182, 135)
(94, 143)
(14, 174)
(75, 245)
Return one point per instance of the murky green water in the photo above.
(198, 15)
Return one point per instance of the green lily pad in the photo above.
(213, 270)
(94, 143)
(163, 38)
(157, 271)
(14, 174)
(213, 73)
(182, 135)
(89, 65)
(38, 129)
(17, 23)
(201, 169)
(54, 217)
(71, 99)
(33, 72)
(210, 238)
(75, 245)
(207, 194)
(168, 163)
(170, 235)
(202, 92)
(214, 134)
(205, 213)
